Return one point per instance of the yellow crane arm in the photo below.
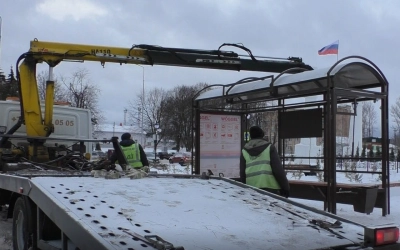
(53, 53)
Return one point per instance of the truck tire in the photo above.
(23, 226)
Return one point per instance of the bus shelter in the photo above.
(307, 105)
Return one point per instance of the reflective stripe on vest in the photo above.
(258, 170)
(132, 155)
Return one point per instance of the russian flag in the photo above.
(331, 49)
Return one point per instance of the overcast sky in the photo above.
(273, 28)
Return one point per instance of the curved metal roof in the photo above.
(352, 75)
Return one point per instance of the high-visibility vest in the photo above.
(258, 170)
(132, 155)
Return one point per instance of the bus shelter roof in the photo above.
(351, 75)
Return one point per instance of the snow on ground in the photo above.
(170, 168)
(345, 211)
(375, 218)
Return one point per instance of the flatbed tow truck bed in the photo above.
(194, 213)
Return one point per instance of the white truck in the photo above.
(69, 123)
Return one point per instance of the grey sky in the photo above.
(283, 28)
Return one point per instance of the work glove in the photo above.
(285, 193)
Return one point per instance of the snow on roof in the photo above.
(345, 75)
(215, 91)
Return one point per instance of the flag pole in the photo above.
(337, 55)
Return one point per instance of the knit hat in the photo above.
(256, 132)
(125, 136)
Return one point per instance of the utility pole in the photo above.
(125, 111)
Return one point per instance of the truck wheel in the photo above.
(23, 225)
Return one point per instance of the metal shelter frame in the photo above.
(350, 80)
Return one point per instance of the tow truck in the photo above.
(56, 202)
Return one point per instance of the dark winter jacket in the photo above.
(126, 143)
(255, 147)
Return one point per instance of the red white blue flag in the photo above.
(331, 49)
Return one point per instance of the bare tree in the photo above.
(59, 92)
(395, 114)
(267, 120)
(270, 119)
(153, 107)
(369, 118)
(81, 93)
(177, 114)
(170, 109)
(149, 109)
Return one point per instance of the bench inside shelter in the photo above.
(305, 168)
(363, 197)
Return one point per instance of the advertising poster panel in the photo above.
(220, 146)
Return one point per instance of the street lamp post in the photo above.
(142, 97)
(396, 150)
(156, 126)
(144, 138)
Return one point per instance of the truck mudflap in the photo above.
(183, 213)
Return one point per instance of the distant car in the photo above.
(180, 158)
(164, 155)
(98, 155)
(151, 157)
(171, 152)
(187, 154)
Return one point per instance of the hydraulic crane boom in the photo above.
(53, 53)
